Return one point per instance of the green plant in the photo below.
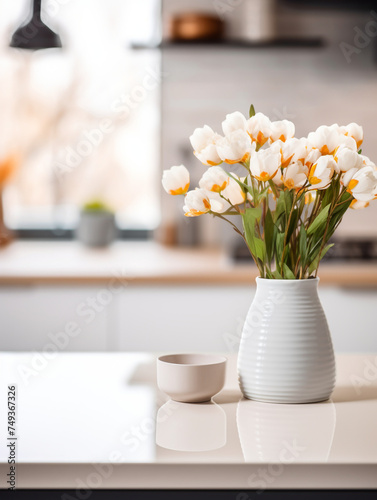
(96, 206)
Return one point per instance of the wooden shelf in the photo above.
(236, 44)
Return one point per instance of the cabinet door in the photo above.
(41, 317)
(351, 315)
(209, 318)
(182, 318)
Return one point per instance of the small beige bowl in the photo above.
(191, 378)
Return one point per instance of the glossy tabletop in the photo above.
(100, 418)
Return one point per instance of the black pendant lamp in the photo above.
(35, 35)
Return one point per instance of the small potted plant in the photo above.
(96, 227)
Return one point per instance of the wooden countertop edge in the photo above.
(352, 278)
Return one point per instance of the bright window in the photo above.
(82, 121)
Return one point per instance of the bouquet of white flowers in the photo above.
(294, 192)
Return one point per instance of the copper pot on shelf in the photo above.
(191, 26)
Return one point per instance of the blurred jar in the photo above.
(252, 20)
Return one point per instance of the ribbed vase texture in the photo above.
(286, 353)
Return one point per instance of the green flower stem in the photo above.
(286, 234)
(243, 236)
(331, 211)
(274, 189)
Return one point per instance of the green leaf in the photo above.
(269, 235)
(251, 111)
(292, 224)
(260, 250)
(313, 266)
(280, 207)
(329, 194)
(288, 201)
(303, 245)
(269, 274)
(279, 243)
(276, 275)
(319, 220)
(252, 213)
(249, 220)
(360, 151)
(338, 213)
(288, 273)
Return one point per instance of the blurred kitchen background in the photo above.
(97, 98)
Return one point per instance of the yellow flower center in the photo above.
(245, 157)
(289, 183)
(263, 177)
(181, 190)
(314, 180)
(216, 188)
(352, 184)
(287, 162)
(261, 139)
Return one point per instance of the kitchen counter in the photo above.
(99, 421)
(37, 262)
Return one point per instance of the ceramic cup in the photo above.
(191, 378)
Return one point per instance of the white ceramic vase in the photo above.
(286, 353)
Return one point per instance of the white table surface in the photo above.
(99, 420)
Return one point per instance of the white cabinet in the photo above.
(37, 318)
(351, 314)
(210, 318)
(160, 318)
(182, 318)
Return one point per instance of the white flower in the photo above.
(312, 156)
(321, 172)
(265, 164)
(176, 180)
(361, 183)
(295, 176)
(293, 150)
(367, 162)
(339, 129)
(356, 132)
(234, 121)
(310, 197)
(196, 203)
(235, 147)
(214, 179)
(259, 128)
(231, 196)
(348, 142)
(346, 159)
(203, 141)
(218, 204)
(278, 178)
(282, 130)
(326, 139)
(358, 205)
(233, 192)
